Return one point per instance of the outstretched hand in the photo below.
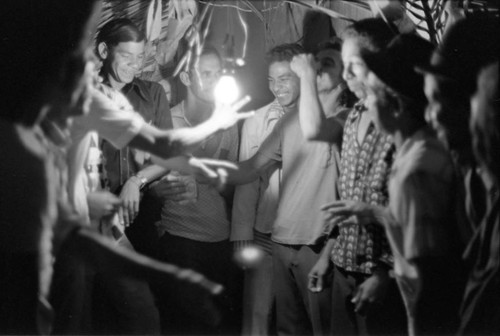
(226, 115)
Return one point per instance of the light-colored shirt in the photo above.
(205, 220)
(309, 177)
(255, 204)
(421, 193)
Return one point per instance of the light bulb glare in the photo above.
(226, 91)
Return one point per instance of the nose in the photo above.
(135, 62)
(346, 72)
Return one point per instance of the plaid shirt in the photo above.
(364, 173)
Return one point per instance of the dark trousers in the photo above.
(184, 309)
(298, 310)
(382, 318)
(124, 306)
(71, 294)
(142, 232)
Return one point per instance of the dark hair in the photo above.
(117, 31)
(373, 34)
(334, 43)
(284, 52)
(206, 50)
(41, 47)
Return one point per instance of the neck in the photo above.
(196, 110)
(330, 99)
(114, 84)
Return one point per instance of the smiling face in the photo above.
(123, 62)
(355, 71)
(284, 84)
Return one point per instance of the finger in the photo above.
(332, 205)
(126, 221)
(120, 216)
(171, 178)
(207, 172)
(136, 208)
(218, 164)
(245, 115)
(242, 102)
(311, 284)
(222, 177)
(319, 284)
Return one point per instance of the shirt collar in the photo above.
(137, 85)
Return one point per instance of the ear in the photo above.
(103, 50)
(184, 76)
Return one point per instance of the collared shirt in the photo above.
(149, 99)
(255, 204)
(422, 190)
(206, 219)
(364, 173)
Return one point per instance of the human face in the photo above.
(484, 121)
(355, 71)
(205, 77)
(445, 113)
(123, 62)
(284, 84)
(329, 70)
(380, 103)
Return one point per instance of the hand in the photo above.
(356, 212)
(169, 187)
(320, 275)
(102, 204)
(130, 195)
(371, 292)
(210, 170)
(304, 66)
(226, 116)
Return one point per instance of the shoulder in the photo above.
(426, 155)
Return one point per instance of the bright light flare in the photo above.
(226, 91)
(249, 256)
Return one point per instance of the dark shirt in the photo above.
(364, 173)
(148, 99)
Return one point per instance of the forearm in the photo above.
(327, 249)
(311, 114)
(152, 172)
(174, 142)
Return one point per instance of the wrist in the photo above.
(139, 180)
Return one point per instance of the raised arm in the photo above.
(315, 113)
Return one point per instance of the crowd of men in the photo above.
(368, 188)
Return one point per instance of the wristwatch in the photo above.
(142, 180)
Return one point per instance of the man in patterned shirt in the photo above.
(364, 298)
